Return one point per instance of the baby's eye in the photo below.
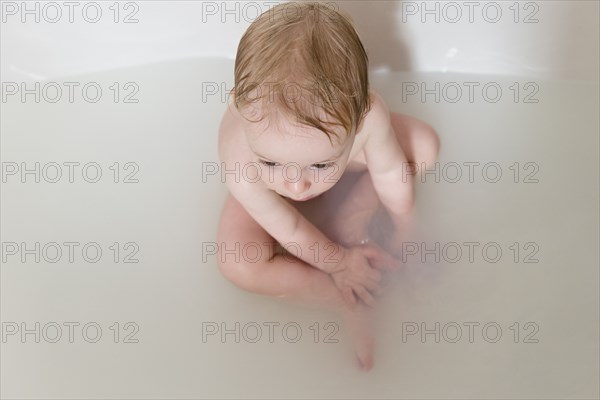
(323, 166)
(268, 163)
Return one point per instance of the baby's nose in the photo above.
(297, 186)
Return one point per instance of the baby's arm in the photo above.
(275, 215)
(387, 163)
(287, 225)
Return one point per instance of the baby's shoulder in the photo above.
(379, 111)
(231, 133)
(379, 114)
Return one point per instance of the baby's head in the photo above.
(301, 83)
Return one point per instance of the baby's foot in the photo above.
(361, 334)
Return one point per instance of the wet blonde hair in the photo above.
(306, 61)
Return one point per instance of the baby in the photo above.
(301, 120)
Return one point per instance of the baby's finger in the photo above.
(372, 278)
(348, 296)
(373, 287)
(374, 275)
(380, 258)
(391, 261)
(366, 297)
(387, 259)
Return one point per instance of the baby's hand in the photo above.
(357, 272)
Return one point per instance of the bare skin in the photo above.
(277, 211)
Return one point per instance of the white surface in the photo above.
(171, 291)
(563, 43)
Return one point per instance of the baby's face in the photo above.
(297, 162)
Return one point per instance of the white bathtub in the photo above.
(518, 173)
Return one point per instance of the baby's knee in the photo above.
(236, 272)
(428, 143)
(242, 267)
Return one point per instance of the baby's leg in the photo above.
(283, 275)
(351, 209)
(418, 140)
